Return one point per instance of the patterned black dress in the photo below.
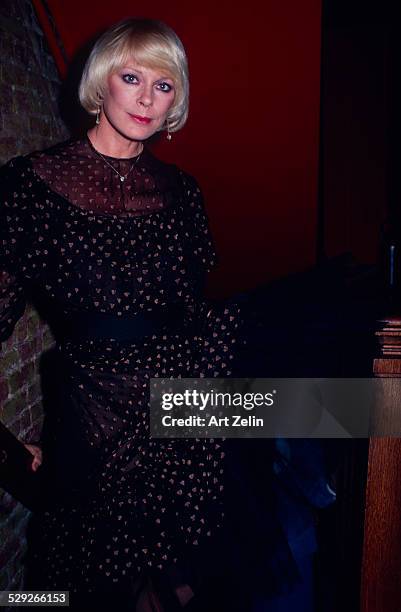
(122, 504)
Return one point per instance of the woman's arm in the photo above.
(12, 235)
(200, 241)
(12, 295)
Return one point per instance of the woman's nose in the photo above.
(146, 97)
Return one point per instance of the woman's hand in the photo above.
(36, 451)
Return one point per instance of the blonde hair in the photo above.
(148, 42)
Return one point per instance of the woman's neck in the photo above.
(109, 142)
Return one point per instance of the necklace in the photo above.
(122, 177)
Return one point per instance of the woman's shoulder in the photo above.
(12, 170)
(189, 184)
(160, 165)
(15, 165)
(61, 149)
(168, 173)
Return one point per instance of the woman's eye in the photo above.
(130, 78)
(165, 87)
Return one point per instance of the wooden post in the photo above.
(381, 565)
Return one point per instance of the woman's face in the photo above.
(137, 101)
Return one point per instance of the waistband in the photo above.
(96, 325)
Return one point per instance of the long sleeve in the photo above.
(12, 298)
(199, 243)
(200, 240)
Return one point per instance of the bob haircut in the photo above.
(148, 42)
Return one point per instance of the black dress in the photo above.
(122, 504)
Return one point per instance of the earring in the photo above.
(98, 115)
(169, 137)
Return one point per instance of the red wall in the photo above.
(252, 136)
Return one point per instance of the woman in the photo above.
(115, 244)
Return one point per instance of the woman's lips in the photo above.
(140, 119)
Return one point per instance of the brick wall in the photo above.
(29, 120)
